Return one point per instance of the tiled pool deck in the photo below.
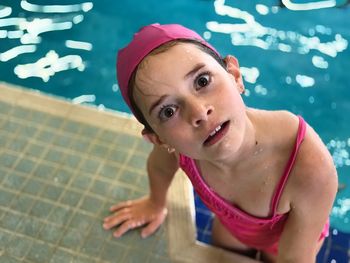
(61, 167)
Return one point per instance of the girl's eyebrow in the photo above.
(194, 70)
(156, 103)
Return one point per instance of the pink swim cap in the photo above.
(145, 40)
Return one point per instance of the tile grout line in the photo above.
(106, 200)
(67, 186)
(57, 202)
(20, 192)
(74, 210)
(120, 172)
(85, 194)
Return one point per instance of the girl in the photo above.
(266, 175)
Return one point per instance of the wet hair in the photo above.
(132, 83)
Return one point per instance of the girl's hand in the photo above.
(132, 214)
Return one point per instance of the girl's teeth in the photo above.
(216, 130)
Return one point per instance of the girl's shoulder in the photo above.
(277, 128)
(313, 164)
(313, 169)
(279, 118)
(283, 127)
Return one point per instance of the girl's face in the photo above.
(192, 103)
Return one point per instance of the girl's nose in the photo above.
(200, 113)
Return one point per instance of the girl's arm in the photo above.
(312, 190)
(149, 210)
(161, 168)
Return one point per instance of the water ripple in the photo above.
(251, 33)
(309, 6)
(49, 65)
(28, 31)
(340, 152)
(85, 7)
(5, 11)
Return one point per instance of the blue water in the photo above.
(293, 60)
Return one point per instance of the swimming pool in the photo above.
(295, 60)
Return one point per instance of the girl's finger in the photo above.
(116, 220)
(116, 214)
(126, 226)
(119, 206)
(150, 228)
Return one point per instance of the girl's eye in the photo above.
(203, 80)
(167, 112)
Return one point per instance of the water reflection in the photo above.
(304, 81)
(340, 152)
(319, 62)
(252, 33)
(262, 9)
(28, 31)
(85, 7)
(78, 45)
(5, 11)
(244, 30)
(250, 74)
(341, 210)
(89, 98)
(49, 65)
(16, 51)
(309, 6)
(341, 213)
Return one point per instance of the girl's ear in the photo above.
(232, 67)
(146, 137)
(151, 137)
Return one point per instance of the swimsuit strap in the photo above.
(289, 166)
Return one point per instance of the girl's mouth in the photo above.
(217, 134)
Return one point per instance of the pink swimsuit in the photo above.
(260, 233)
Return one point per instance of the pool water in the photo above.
(290, 59)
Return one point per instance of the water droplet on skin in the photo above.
(258, 151)
(267, 180)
